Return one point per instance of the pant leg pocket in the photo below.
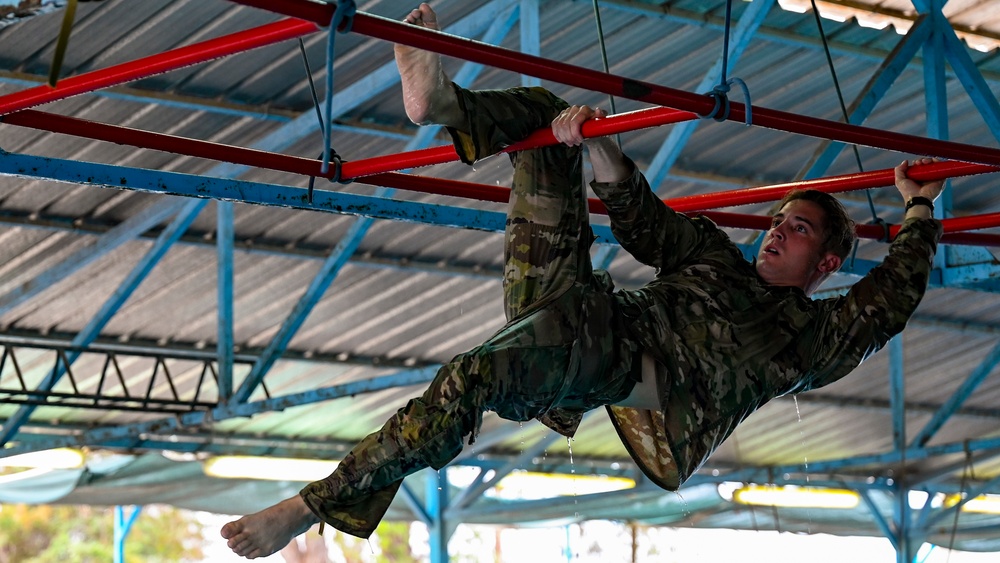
(530, 380)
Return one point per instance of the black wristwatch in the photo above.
(919, 200)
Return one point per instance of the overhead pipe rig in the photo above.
(370, 171)
(306, 17)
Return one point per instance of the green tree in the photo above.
(84, 534)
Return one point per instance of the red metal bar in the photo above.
(831, 184)
(620, 123)
(399, 32)
(157, 64)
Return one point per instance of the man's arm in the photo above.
(910, 189)
(878, 306)
(648, 230)
(606, 158)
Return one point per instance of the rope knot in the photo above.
(324, 169)
(721, 96)
(344, 14)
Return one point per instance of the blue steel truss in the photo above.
(887, 502)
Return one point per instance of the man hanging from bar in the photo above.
(679, 363)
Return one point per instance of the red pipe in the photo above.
(620, 123)
(830, 184)
(399, 32)
(455, 188)
(157, 64)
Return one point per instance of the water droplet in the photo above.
(685, 508)
(805, 458)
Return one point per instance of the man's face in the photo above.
(792, 252)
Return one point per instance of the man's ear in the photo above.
(830, 263)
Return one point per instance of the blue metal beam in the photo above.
(972, 79)
(188, 212)
(225, 412)
(879, 519)
(887, 458)
(173, 183)
(957, 398)
(317, 287)
(481, 485)
(872, 93)
(413, 502)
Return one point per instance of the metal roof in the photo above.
(417, 290)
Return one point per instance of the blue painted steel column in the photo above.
(224, 345)
(897, 400)
(965, 69)
(530, 37)
(122, 527)
(437, 501)
(751, 18)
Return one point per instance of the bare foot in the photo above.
(265, 532)
(427, 93)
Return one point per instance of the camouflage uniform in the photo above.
(555, 358)
(723, 341)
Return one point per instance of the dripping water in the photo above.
(805, 457)
(572, 474)
(802, 436)
(685, 507)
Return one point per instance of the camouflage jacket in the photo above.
(725, 341)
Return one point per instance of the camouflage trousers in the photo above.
(554, 354)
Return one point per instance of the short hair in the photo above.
(838, 225)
